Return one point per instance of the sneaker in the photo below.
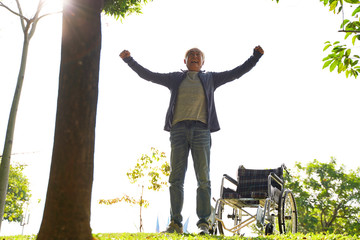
(203, 229)
(174, 228)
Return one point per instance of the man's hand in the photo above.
(124, 54)
(259, 49)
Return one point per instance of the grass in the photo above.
(158, 236)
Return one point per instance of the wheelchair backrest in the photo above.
(251, 181)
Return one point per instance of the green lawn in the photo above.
(155, 236)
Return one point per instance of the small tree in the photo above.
(18, 193)
(328, 198)
(149, 172)
(28, 26)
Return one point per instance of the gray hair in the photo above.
(196, 49)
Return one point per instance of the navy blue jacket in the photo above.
(210, 81)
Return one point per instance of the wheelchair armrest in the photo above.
(272, 192)
(277, 179)
(230, 179)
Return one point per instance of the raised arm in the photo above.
(164, 79)
(228, 76)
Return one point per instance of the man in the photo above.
(191, 118)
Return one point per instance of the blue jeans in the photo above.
(186, 136)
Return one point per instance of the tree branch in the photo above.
(36, 18)
(323, 219)
(335, 213)
(13, 12)
(48, 14)
(22, 20)
(352, 31)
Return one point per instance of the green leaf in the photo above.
(356, 11)
(333, 65)
(340, 8)
(327, 63)
(344, 23)
(333, 5)
(326, 58)
(326, 47)
(348, 52)
(354, 39)
(341, 54)
(341, 67)
(352, 1)
(348, 34)
(347, 62)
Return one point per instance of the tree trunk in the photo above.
(9, 138)
(141, 229)
(68, 200)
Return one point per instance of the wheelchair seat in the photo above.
(253, 183)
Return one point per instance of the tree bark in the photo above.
(68, 200)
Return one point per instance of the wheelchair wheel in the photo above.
(269, 229)
(219, 214)
(287, 213)
(227, 214)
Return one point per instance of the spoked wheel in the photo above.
(229, 215)
(287, 213)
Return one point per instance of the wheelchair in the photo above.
(256, 196)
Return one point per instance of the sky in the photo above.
(285, 110)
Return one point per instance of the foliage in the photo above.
(149, 170)
(126, 199)
(340, 55)
(328, 198)
(18, 193)
(150, 173)
(158, 236)
(121, 8)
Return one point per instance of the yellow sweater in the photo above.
(190, 102)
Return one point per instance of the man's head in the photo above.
(194, 59)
